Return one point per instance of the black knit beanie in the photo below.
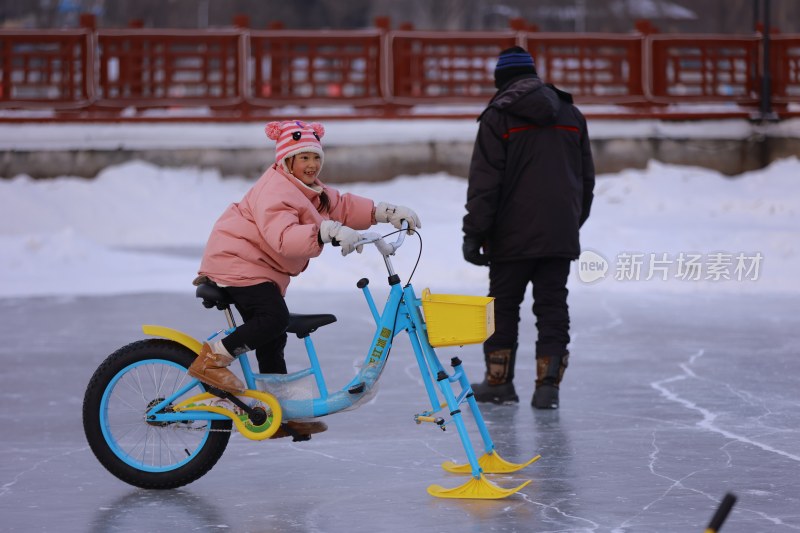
(511, 63)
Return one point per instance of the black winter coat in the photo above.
(531, 178)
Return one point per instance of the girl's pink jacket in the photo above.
(271, 234)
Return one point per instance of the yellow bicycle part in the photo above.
(490, 463)
(173, 334)
(476, 488)
(240, 420)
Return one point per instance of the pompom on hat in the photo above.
(512, 62)
(294, 137)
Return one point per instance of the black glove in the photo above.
(472, 252)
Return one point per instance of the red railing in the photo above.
(701, 68)
(242, 74)
(785, 68)
(443, 67)
(46, 69)
(322, 67)
(146, 68)
(595, 68)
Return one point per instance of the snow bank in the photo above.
(141, 228)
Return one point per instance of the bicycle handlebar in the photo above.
(385, 248)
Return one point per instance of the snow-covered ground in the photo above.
(141, 228)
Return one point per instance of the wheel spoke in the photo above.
(158, 445)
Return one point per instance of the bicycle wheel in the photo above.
(150, 455)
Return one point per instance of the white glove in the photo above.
(395, 214)
(330, 231)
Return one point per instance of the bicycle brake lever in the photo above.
(372, 237)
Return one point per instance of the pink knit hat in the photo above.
(294, 137)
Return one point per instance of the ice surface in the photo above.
(667, 405)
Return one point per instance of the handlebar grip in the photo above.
(334, 242)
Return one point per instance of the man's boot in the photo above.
(549, 373)
(210, 368)
(498, 386)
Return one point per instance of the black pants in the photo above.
(266, 318)
(507, 284)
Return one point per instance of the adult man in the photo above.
(531, 183)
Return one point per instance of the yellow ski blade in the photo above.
(490, 464)
(476, 488)
(241, 421)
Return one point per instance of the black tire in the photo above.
(115, 426)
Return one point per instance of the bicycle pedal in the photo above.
(286, 430)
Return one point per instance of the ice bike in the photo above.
(153, 426)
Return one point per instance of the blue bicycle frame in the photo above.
(401, 312)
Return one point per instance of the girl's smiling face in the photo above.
(305, 166)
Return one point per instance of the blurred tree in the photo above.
(673, 16)
(311, 14)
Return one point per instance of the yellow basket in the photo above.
(455, 320)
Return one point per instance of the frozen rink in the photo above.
(678, 391)
(670, 401)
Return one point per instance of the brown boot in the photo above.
(209, 367)
(549, 373)
(299, 430)
(498, 385)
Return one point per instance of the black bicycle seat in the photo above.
(213, 296)
(302, 325)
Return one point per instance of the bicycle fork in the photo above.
(409, 318)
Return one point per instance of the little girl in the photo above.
(257, 244)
